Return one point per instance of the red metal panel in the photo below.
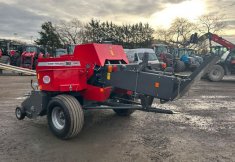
(94, 93)
(63, 80)
(64, 74)
(222, 41)
(96, 54)
(71, 72)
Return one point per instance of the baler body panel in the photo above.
(94, 93)
(97, 54)
(65, 74)
(71, 72)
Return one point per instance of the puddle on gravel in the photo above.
(200, 122)
(214, 97)
(21, 98)
(196, 122)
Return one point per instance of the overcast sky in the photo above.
(22, 19)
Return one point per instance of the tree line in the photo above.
(136, 35)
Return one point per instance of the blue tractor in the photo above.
(191, 61)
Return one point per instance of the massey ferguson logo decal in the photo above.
(62, 63)
(68, 63)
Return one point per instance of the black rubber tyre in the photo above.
(146, 101)
(169, 70)
(197, 64)
(124, 112)
(20, 114)
(179, 66)
(65, 116)
(14, 59)
(18, 61)
(35, 63)
(5, 60)
(216, 74)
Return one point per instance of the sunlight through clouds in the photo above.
(188, 9)
(16, 15)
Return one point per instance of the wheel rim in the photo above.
(58, 118)
(18, 113)
(216, 73)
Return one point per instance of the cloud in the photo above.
(25, 17)
(223, 7)
(18, 20)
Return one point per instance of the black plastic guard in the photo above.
(156, 85)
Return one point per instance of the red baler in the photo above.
(97, 76)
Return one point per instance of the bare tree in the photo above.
(211, 23)
(70, 32)
(163, 35)
(180, 31)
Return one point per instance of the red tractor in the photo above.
(98, 76)
(168, 55)
(30, 56)
(9, 52)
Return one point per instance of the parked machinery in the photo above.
(30, 55)
(135, 56)
(193, 53)
(169, 55)
(162, 52)
(219, 49)
(98, 76)
(69, 49)
(186, 56)
(10, 53)
(226, 65)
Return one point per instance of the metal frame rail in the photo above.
(17, 69)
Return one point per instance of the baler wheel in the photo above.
(146, 101)
(20, 114)
(65, 116)
(123, 112)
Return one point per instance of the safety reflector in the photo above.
(110, 68)
(156, 84)
(163, 65)
(108, 76)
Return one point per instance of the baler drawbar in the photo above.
(98, 76)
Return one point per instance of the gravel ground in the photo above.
(202, 130)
